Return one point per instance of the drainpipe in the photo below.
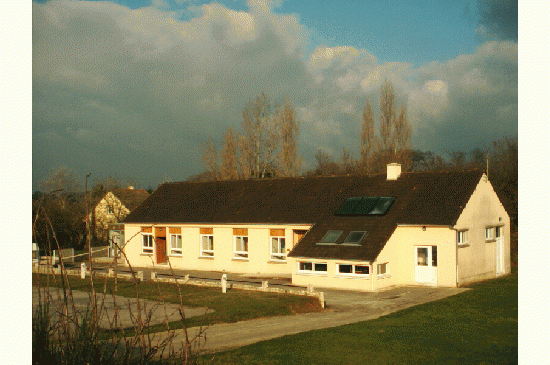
(372, 278)
(456, 256)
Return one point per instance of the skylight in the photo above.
(355, 237)
(331, 236)
(365, 206)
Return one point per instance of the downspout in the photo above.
(456, 256)
(372, 277)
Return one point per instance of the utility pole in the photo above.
(88, 238)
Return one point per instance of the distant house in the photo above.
(114, 206)
(348, 232)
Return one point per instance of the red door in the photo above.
(160, 244)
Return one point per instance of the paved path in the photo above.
(343, 307)
(126, 307)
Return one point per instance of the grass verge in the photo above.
(476, 327)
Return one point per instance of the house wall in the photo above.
(330, 279)
(477, 259)
(403, 245)
(399, 255)
(259, 249)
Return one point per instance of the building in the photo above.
(349, 232)
(113, 207)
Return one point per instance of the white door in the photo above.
(426, 265)
(499, 249)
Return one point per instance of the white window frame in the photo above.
(147, 247)
(280, 255)
(353, 271)
(209, 252)
(313, 270)
(385, 274)
(239, 254)
(462, 237)
(489, 233)
(176, 251)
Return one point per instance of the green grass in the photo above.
(235, 305)
(479, 326)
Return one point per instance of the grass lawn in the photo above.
(476, 327)
(235, 305)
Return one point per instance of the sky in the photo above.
(133, 89)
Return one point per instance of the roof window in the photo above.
(365, 206)
(355, 237)
(331, 236)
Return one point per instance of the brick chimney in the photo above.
(394, 171)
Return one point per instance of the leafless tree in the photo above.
(210, 158)
(229, 157)
(261, 135)
(289, 161)
(402, 138)
(395, 130)
(369, 140)
(348, 165)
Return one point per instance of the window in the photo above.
(355, 237)
(489, 233)
(365, 206)
(110, 210)
(241, 247)
(331, 237)
(147, 242)
(382, 270)
(353, 270)
(175, 244)
(312, 267)
(462, 237)
(434, 256)
(498, 232)
(278, 251)
(207, 245)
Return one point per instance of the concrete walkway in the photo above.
(152, 312)
(343, 307)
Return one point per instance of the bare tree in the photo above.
(368, 139)
(289, 161)
(387, 119)
(402, 139)
(395, 131)
(229, 167)
(261, 135)
(348, 165)
(325, 164)
(210, 158)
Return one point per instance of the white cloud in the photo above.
(430, 100)
(144, 88)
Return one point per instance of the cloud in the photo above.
(499, 18)
(134, 93)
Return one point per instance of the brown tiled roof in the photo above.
(131, 198)
(429, 198)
